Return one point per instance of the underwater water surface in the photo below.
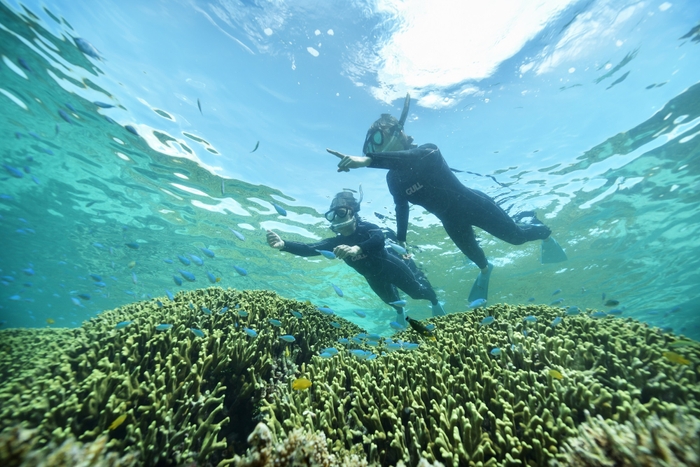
(137, 138)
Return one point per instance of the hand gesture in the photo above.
(343, 251)
(274, 240)
(350, 162)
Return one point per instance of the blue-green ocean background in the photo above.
(591, 120)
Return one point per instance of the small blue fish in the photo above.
(170, 295)
(28, 271)
(122, 324)
(177, 280)
(335, 324)
(168, 261)
(237, 234)
(75, 301)
(615, 312)
(211, 277)
(207, 252)
(223, 310)
(13, 171)
(288, 338)
(555, 321)
(477, 303)
(275, 322)
(398, 303)
(70, 107)
(131, 129)
(243, 313)
(24, 64)
(205, 310)
(200, 106)
(361, 354)
(84, 296)
(397, 326)
(17, 297)
(197, 260)
(325, 355)
(36, 180)
(556, 292)
(327, 254)
(240, 270)
(100, 284)
(159, 303)
(337, 290)
(64, 116)
(96, 277)
(103, 105)
(530, 319)
(486, 321)
(557, 301)
(359, 313)
(187, 275)
(344, 341)
(184, 260)
(573, 311)
(109, 119)
(280, 210)
(134, 279)
(330, 350)
(397, 248)
(133, 245)
(297, 315)
(325, 310)
(598, 314)
(164, 327)
(250, 332)
(197, 332)
(495, 352)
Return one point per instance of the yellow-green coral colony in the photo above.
(194, 391)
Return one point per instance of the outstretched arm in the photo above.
(350, 162)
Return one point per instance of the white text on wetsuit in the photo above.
(414, 188)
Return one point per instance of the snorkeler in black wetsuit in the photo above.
(361, 245)
(420, 175)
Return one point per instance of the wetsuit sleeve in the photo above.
(401, 219)
(309, 249)
(398, 159)
(375, 242)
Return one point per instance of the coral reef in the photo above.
(455, 401)
(645, 443)
(174, 392)
(17, 449)
(508, 393)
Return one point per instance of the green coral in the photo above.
(639, 442)
(452, 401)
(179, 392)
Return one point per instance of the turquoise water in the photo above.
(588, 114)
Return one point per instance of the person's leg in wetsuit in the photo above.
(399, 274)
(388, 293)
(477, 209)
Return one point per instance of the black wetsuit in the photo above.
(421, 176)
(383, 272)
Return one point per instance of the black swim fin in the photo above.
(552, 252)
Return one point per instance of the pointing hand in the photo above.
(350, 162)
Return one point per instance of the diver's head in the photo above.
(386, 134)
(343, 213)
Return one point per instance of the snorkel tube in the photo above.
(404, 112)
